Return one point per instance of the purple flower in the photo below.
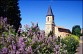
(29, 49)
(23, 44)
(14, 47)
(56, 52)
(12, 52)
(54, 38)
(17, 52)
(57, 47)
(5, 19)
(4, 50)
(9, 39)
(21, 49)
(29, 32)
(12, 42)
(21, 39)
(33, 40)
(25, 52)
(48, 40)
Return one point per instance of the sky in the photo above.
(66, 13)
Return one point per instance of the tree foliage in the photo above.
(10, 9)
(76, 30)
(72, 43)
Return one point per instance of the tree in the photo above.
(76, 30)
(72, 42)
(10, 9)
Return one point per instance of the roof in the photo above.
(62, 29)
(49, 13)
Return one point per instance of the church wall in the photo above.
(56, 31)
(48, 28)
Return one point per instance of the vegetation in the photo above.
(10, 9)
(76, 30)
(31, 40)
(72, 43)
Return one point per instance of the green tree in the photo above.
(76, 30)
(72, 42)
(10, 9)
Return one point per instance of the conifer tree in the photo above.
(10, 9)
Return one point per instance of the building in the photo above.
(82, 31)
(50, 25)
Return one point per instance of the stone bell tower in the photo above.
(49, 26)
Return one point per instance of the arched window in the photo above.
(48, 18)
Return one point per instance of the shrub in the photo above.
(32, 40)
(72, 43)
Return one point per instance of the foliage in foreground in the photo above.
(72, 43)
(31, 40)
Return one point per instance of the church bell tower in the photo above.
(49, 26)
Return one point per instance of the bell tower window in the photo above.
(48, 18)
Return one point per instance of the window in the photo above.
(48, 18)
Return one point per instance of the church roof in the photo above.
(62, 29)
(49, 13)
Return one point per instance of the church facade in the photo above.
(50, 26)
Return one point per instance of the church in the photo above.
(50, 25)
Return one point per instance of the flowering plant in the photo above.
(32, 40)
